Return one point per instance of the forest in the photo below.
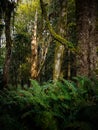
(48, 64)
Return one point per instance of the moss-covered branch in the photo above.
(57, 37)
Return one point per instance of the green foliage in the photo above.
(2, 56)
(20, 66)
(25, 16)
(51, 106)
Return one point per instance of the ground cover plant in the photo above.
(51, 106)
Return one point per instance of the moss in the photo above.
(57, 37)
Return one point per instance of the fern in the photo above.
(49, 103)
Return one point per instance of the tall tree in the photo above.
(57, 37)
(7, 8)
(34, 50)
(1, 23)
(61, 24)
(86, 19)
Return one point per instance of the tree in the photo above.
(7, 8)
(57, 37)
(1, 29)
(34, 50)
(86, 20)
(61, 29)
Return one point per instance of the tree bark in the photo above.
(8, 45)
(59, 51)
(7, 8)
(86, 19)
(34, 51)
(58, 62)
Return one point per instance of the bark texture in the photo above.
(59, 51)
(86, 19)
(8, 8)
(34, 51)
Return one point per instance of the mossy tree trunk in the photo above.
(86, 58)
(55, 35)
(59, 51)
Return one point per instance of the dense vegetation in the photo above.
(48, 65)
(52, 106)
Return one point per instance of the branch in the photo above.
(57, 37)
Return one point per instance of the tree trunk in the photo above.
(8, 45)
(57, 37)
(1, 26)
(86, 59)
(34, 51)
(58, 62)
(59, 51)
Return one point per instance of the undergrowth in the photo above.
(62, 105)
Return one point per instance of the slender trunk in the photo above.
(43, 53)
(8, 46)
(59, 51)
(86, 59)
(34, 51)
(1, 27)
(58, 62)
(69, 66)
(92, 44)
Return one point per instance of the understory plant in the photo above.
(60, 105)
